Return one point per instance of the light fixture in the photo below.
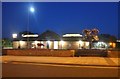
(22, 43)
(62, 42)
(48, 42)
(32, 9)
(55, 44)
(14, 35)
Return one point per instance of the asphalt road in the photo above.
(15, 69)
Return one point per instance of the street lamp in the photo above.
(32, 10)
(14, 35)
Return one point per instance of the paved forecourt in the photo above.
(88, 61)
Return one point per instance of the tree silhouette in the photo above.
(6, 42)
(95, 34)
(90, 35)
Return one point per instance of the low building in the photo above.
(51, 40)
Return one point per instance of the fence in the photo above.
(60, 53)
(38, 52)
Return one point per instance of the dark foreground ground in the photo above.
(17, 69)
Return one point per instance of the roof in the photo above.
(49, 35)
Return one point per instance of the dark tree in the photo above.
(107, 38)
(6, 42)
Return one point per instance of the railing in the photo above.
(91, 52)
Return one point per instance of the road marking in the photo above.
(59, 65)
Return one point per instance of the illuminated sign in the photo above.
(72, 35)
(35, 35)
(118, 40)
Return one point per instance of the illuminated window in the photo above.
(101, 45)
(87, 43)
(36, 42)
(110, 43)
(42, 43)
(49, 42)
(62, 42)
(114, 45)
(81, 43)
(55, 44)
(22, 43)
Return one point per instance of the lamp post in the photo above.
(32, 10)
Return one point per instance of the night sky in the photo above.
(64, 17)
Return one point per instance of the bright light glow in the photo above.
(62, 42)
(22, 43)
(96, 38)
(32, 9)
(14, 35)
(101, 43)
(114, 45)
(110, 43)
(72, 35)
(87, 43)
(48, 42)
(55, 44)
(42, 43)
(36, 42)
(118, 40)
(81, 43)
(35, 35)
